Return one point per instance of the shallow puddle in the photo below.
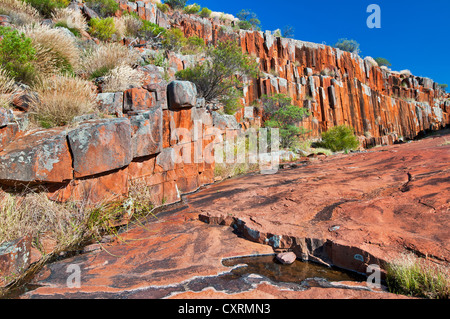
(269, 267)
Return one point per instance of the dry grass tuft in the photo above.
(122, 78)
(55, 50)
(105, 57)
(21, 13)
(61, 98)
(73, 19)
(7, 88)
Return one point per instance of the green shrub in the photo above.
(232, 101)
(382, 62)
(348, 45)
(174, 40)
(151, 30)
(205, 13)
(283, 115)
(163, 7)
(221, 71)
(339, 138)
(103, 7)
(17, 55)
(102, 29)
(192, 9)
(47, 7)
(193, 45)
(176, 4)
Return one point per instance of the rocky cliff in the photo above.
(100, 158)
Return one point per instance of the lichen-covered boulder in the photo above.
(39, 156)
(100, 146)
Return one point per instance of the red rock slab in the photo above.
(347, 210)
(164, 252)
(39, 156)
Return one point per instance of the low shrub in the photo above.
(339, 138)
(194, 45)
(102, 29)
(151, 30)
(174, 40)
(192, 9)
(17, 55)
(348, 45)
(205, 12)
(163, 7)
(383, 62)
(284, 116)
(61, 98)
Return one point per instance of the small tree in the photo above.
(288, 32)
(348, 45)
(382, 62)
(283, 115)
(339, 138)
(248, 20)
(443, 86)
(222, 70)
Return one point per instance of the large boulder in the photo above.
(100, 146)
(40, 156)
(181, 94)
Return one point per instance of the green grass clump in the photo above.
(415, 277)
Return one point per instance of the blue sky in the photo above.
(414, 34)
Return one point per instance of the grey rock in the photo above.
(181, 94)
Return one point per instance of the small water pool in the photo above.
(269, 267)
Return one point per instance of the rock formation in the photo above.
(99, 158)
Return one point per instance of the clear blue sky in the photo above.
(414, 34)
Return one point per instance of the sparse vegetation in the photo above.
(122, 78)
